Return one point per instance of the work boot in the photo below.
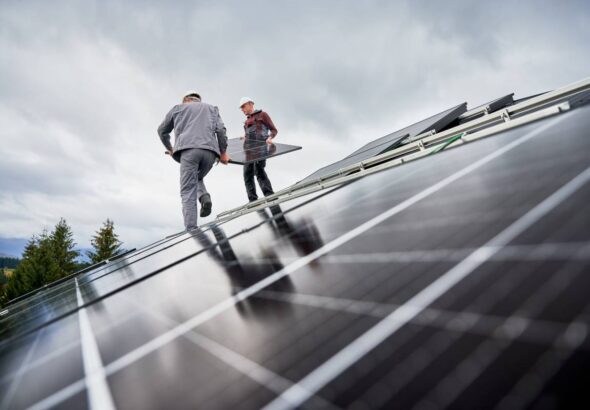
(206, 205)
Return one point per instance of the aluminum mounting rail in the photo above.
(422, 142)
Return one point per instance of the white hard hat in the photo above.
(191, 92)
(245, 100)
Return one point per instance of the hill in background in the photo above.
(12, 247)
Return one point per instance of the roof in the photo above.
(447, 271)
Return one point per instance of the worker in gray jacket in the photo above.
(200, 139)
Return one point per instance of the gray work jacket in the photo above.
(195, 125)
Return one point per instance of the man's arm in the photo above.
(220, 131)
(268, 122)
(221, 134)
(165, 129)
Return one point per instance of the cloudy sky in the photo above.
(84, 85)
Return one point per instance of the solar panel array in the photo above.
(435, 123)
(459, 281)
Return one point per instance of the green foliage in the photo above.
(3, 283)
(82, 265)
(105, 243)
(18, 283)
(16, 286)
(62, 246)
(50, 256)
(3, 277)
(38, 267)
(8, 262)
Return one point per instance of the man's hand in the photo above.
(224, 158)
(243, 137)
(269, 140)
(169, 152)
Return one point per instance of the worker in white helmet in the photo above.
(258, 127)
(200, 139)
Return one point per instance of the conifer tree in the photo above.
(46, 258)
(41, 267)
(3, 284)
(16, 286)
(27, 275)
(105, 243)
(62, 243)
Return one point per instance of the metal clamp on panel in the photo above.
(505, 115)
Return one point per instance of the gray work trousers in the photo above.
(195, 163)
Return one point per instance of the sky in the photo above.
(84, 86)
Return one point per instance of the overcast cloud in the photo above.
(84, 85)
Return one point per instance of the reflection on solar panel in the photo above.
(245, 151)
(390, 141)
(456, 281)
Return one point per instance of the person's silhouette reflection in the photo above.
(244, 273)
(303, 235)
(256, 150)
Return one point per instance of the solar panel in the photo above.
(454, 282)
(246, 151)
(486, 108)
(579, 99)
(393, 140)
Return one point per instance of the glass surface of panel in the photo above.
(245, 151)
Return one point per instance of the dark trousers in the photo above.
(256, 169)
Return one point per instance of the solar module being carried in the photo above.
(244, 151)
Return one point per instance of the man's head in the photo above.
(247, 105)
(191, 96)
